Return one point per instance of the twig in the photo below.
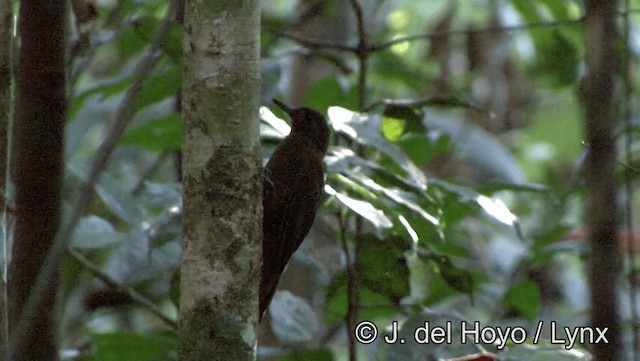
(149, 172)
(85, 192)
(111, 282)
(420, 102)
(437, 34)
(311, 43)
(353, 271)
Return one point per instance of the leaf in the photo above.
(93, 232)
(164, 133)
(383, 266)
(162, 195)
(397, 196)
(160, 86)
(336, 302)
(525, 298)
(117, 200)
(341, 159)
(477, 147)
(365, 129)
(455, 277)
(132, 346)
(172, 45)
(329, 92)
(393, 128)
(421, 148)
(131, 262)
(528, 10)
(497, 209)
(363, 208)
(558, 59)
(272, 126)
(108, 88)
(399, 120)
(293, 321)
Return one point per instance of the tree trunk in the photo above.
(222, 181)
(40, 115)
(6, 26)
(597, 92)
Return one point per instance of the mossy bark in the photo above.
(222, 181)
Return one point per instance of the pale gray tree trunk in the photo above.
(222, 181)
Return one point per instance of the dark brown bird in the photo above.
(293, 182)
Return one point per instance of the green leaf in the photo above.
(336, 302)
(558, 59)
(525, 298)
(172, 46)
(393, 128)
(163, 133)
(160, 86)
(106, 89)
(457, 278)
(132, 346)
(421, 148)
(398, 120)
(329, 92)
(365, 129)
(383, 266)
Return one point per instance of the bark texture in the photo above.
(222, 181)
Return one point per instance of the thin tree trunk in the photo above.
(222, 181)
(597, 93)
(6, 26)
(40, 115)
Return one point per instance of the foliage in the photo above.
(453, 205)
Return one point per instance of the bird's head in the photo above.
(309, 123)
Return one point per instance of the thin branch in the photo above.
(351, 289)
(149, 172)
(362, 52)
(353, 271)
(445, 101)
(311, 43)
(113, 283)
(85, 192)
(437, 34)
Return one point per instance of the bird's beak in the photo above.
(283, 106)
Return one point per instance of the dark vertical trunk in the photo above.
(597, 93)
(40, 115)
(6, 25)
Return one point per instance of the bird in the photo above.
(293, 182)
